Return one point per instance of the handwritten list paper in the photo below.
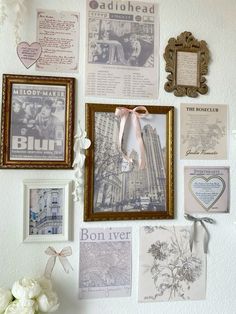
(187, 68)
(105, 268)
(58, 34)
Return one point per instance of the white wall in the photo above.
(211, 20)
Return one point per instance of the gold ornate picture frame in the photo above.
(187, 62)
(119, 190)
(37, 122)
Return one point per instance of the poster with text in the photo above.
(38, 122)
(105, 268)
(168, 270)
(203, 131)
(206, 189)
(58, 34)
(122, 49)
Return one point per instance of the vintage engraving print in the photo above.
(168, 270)
(122, 49)
(203, 131)
(58, 34)
(206, 189)
(105, 268)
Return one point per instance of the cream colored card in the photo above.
(203, 131)
(206, 189)
(187, 68)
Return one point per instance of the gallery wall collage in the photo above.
(123, 161)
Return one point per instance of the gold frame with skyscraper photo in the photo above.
(119, 190)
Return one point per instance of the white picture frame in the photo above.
(46, 208)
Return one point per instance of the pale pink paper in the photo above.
(28, 53)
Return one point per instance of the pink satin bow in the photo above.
(123, 113)
(67, 251)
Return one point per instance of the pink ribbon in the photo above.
(123, 113)
(67, 251)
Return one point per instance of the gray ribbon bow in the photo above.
(193, 230)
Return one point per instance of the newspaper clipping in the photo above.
(122, 49)
(58, 34)
(37, 130)
(105, 262)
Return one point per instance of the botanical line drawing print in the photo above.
(206, 138)
(170, 267)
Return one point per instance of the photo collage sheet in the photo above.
(127, 151)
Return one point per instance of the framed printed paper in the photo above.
(118, 189)
(206, 189)
(46, 210)
(37, 122)
(187, 62)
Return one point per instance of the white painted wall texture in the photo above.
(211, 20)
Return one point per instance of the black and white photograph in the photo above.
(37, 122)
(46, 206)
(114, 42)
(121, 186)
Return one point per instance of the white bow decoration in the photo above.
(62, 255)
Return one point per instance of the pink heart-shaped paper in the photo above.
(29, 54)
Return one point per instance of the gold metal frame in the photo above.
(8, 80)
(187, 43)
(89, 215)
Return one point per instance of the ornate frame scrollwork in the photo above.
(186, 42)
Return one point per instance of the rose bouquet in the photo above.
(29, 296)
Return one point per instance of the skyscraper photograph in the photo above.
(121, 186)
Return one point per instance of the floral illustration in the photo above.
(173, 269)
(206, 139)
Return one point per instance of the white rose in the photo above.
(5, 299)
(48, 301)
(17, 308)
(26, 289)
